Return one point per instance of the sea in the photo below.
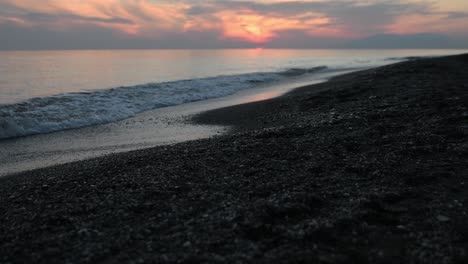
(95, 102)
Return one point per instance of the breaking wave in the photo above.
(75, 110)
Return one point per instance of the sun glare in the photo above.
(255, 33)
(254, 30)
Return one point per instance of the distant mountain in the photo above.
(413, 41)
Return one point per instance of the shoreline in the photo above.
(157, 127)
(368, 167)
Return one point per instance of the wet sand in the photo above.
(162, 126)
(370, 167)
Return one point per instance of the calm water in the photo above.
(42, 92)
(28, 74)
(47, 91)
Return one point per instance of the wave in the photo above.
(408, 58)
(75, 110)
(300, 71)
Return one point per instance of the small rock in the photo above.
(443, 218)
(187, 244)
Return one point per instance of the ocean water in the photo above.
(47, 91)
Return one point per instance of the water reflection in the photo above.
(27, 74)
(261, 96)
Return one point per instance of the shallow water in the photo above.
(41, 92)
(160, 126)
(47, 91)
(29, 74)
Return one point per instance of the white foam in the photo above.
(74, 110)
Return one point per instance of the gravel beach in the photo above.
(369, 167)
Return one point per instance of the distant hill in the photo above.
(423, 40)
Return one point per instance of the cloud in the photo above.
(40, 17)
(262, 21)
(16, 37)
(134, 17)
(343, 17)
(456, 15)
(230, 21)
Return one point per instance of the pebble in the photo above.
(254, 196)
(443, 218)
(187, 244)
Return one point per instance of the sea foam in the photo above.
(74, 110)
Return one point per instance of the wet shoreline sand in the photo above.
(369, 167)
(160, 126)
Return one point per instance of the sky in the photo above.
(83, 24)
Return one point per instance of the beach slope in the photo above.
(369, 167)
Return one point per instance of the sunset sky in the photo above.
(196, 23)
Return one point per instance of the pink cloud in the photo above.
(251, 21)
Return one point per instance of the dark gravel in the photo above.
(370, 167)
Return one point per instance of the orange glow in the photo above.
(258, 28)
(150, 18)
(248, 27)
